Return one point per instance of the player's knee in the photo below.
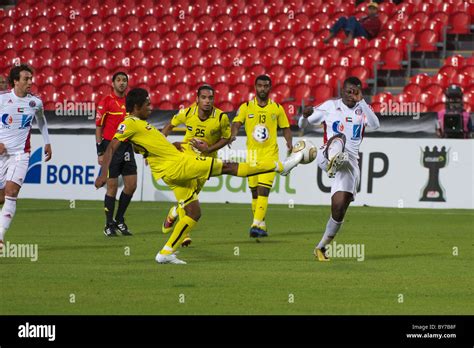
(112, 187)
(193, 210)
(130, 188)
(254, 192)
(263, 191)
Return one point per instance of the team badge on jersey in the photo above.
(121, 128)
(32, 104)
(358, 111)
(260, 133)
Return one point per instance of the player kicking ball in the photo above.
(345, 120)
(179, 170)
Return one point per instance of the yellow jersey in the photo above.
(211, 130)
(261, 126)
(151, 143)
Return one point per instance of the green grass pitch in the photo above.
(409, 266)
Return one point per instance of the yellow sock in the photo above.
(261, 209)
(265, 166)
(254, 205)
(181, 230)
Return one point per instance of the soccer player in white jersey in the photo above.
(344, 121)
(18, 107)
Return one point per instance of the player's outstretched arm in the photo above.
(288, 137)
(43, 127)
(234, 130)
(167, 129)
(371, 118)
(102, 179)
(312, 115)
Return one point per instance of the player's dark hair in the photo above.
(263, 78)
(352, 80)
(119, 73)
(136, 96)
(205, 87)
(15, 73)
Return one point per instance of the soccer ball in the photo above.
(308, 148)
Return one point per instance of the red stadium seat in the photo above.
(421, 79)
(222, 89)
(362, 73)
(385, 97)
(351, 52)
(209, 57)
(245, 40)
(437, 107)
(459, 23)
(301, 94)
(225, 40)
(256, 70)
(442, 80)
(277, 72)
(391, 58)
(215, 74)
(456, 61)
(449, 71)
(260, 23)
(281, 92)
(426, 40)
(463, 80)
(316, 74)
(222, 23)
(321, 93)
(289, 57)
(226, 106)
(331, 53)
(236, 75)
(468, 70)
(206, 40)
(241, 92)
(303, 38)
(264, 39)
(426, 99)
(435, 90)
(241, 23)
(412, 89)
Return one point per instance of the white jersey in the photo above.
(16, 117)
(337, 118)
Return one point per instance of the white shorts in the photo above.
(347, 177)
(13, 168)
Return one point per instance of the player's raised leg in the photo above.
(339, 203)
(335, 154)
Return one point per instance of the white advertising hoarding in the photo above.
(395, 172)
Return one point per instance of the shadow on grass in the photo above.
(401, 256)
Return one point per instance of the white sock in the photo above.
(337, 145)
(256, 222)
(174, 212)
(8, 212)
(331, 229)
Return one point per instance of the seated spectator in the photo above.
(368, 26)
(454, 121)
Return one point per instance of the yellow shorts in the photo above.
(188, 176)
(265, 180)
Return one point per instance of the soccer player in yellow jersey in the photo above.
(207, 130)
(179, 170)
(262, 118)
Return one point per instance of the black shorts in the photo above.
(123, 162)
